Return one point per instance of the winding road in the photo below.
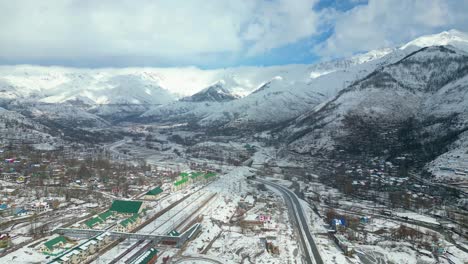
(310, 249)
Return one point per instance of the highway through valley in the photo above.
(310, 248)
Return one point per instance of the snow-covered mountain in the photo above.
(452, 37)
(118, 89)
(294, 89)
(216, 92)
(148, 85)
(296, 96)
(60, 85)
(262, 94)
(15, 127)
(193, 107)
(66, 114)
(418, 103)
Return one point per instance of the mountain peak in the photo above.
(452, 37)
(217, 92)
(267, 85)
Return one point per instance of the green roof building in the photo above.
(55, 242)
(195, 175)
(209, 175)
(184, 180)
(126, 222)
(155, 191)
(104, 216)
(93, 221)
(129, 222)
(126, 207)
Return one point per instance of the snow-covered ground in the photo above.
(223, 240)
(419, 217)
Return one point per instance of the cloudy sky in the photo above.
(212, 33)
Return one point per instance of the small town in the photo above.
(88, 205)
(234, 132)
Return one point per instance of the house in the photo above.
(247, 202)
(126, 207)
(21, 212)
(106, 215)
(90, 247)
(102, 239)
(196, 176)
(20, 179)
(73, 257)
(180, 184)
(128, 224)
(39, 207)
(80, 253)
(5, 240)
(337, 224)
(90, 223)
(50, 246)
(153, 194)
(209, 176)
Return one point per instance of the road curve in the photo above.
(295, 207)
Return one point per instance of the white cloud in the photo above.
(167, 29)
(386, 23)
(279, 23)
(205, 32)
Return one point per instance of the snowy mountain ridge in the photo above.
(232, 96)
(410, 105)
(451, 37)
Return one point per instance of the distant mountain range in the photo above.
(407, 97)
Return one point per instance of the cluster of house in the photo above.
(75, 254)
(9, 171)
(22, 169)
(257, 219)
(100, 219)
(57, 245)
(187, 178)
(53, 168)
(338, 229)
(8, 207)
(127, 213)
(456, 168)
(196, 166)
(387, 182)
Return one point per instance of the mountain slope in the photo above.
(276, 100)
(67, 115)
(16, 128)
(417, 104)
(268, 95)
